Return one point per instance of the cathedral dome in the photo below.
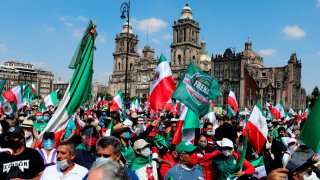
(186, 12)
(125, 28)
(248, 52)
(205, 57)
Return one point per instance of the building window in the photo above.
(179, 59)
(264, 74)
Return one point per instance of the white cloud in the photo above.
(150, 25)
(156, 41)
(167, 37)
(102, 39)
(294, 32)
(268, 52)
(77, 33)
(82, 18)
(3, 48)
(318, 3)
(69, 24)
(50, 29)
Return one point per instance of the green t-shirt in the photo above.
(39, 126)
(225, 166)
(71, 126)
(128, 153)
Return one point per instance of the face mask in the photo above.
(14, 145)
(21, 118)
(91, 141)
(48, 144)
(27, 134)
(146, 152)
(39, 118)
(203, 145)
(209, 133)
(307, 175)
(46, 118)
(127, 135)
(226, 152)
(102, 159)
(193, 159)
(63, 164)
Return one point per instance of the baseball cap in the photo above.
(225, 142)
(139, 144)
(186, 146)
(14, 130)
(300, 158)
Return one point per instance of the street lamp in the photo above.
(125, 13)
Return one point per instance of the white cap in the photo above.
(226, 143)
(127, 123)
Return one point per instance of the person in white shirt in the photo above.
(65, 167)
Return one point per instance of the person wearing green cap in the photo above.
(188, 167)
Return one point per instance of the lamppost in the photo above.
(125, 13)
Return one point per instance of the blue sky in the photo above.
(46, 33)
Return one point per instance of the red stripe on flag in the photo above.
(255, 138)
(10, 96)
(162, 93)
(177, 137)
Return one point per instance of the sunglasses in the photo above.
(226, 148)
(103, 155)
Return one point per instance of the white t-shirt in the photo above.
(54, 173)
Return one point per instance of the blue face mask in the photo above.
(46, 118)
(39, 118)
(48, 144)
(127, 135)
(209, 133)
(102, 159)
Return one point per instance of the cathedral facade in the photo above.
(245, 74)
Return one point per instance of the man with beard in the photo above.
(187, 167)
(25, 163)
(86, 151)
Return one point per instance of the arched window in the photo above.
(131, 66)
(179, 59)
(119, 66)
(193, 57)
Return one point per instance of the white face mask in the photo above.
(21, 118)
(226, 152)
(27, 134)
(146, 152)
(308, 175)
(102, 159)
(63, 164)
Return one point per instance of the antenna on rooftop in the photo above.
(148, 32)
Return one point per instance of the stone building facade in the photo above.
(16, 72)
(245, 74)
(185, 45)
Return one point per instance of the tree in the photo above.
(315, 92)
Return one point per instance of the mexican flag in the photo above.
(268, 106)
(33, 88)
(117, 101)
(278, 110)
(230, 112)
(186, 125)
(260, 170)
(310, 133)
(305, 114)
(2, 83)
(135, 104)
(232, 101)
(14, 97)
(209, 114)
(79, 86)
(163, 85)
(196, 89)
(257, 128)
(110, 128)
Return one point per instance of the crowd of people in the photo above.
(119, 145)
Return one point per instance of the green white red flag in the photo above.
(232, 101)
(14, 96)
(185, 130)
(135, 104)
(117, 101)
(257, 128)
(278, 111)
(163, 85)
(79, 86)
(209, 114)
